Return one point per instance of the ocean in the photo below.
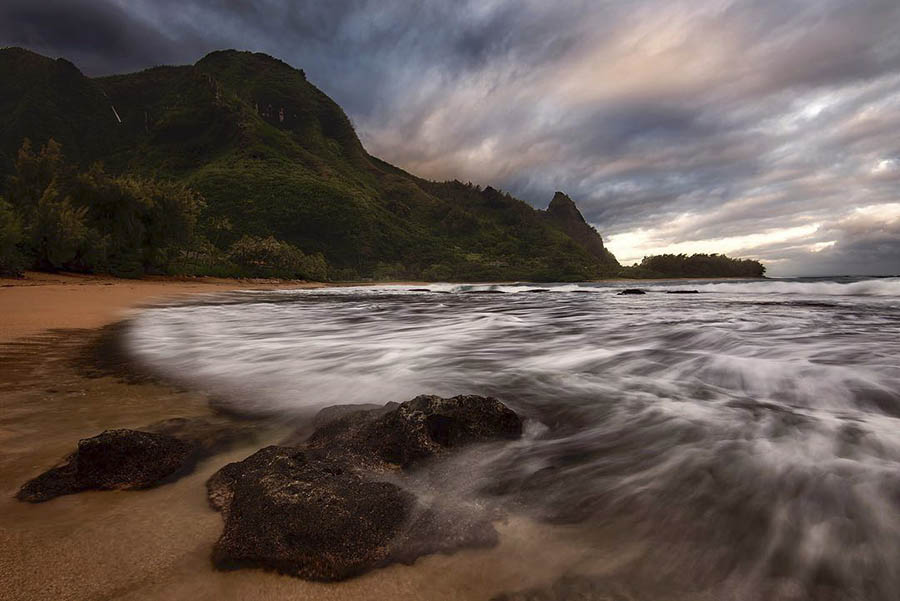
(741, 441)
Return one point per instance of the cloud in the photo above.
(673, 124)
(866, 241)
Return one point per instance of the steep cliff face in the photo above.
(274, 156)
(563, 213)
(41, 98)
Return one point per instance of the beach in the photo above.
(676, 446)
(156, 544)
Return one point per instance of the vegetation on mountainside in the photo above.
(238, 166)
(695, 266)
(11, 260)
(59, 217)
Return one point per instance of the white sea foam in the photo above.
(759, 420)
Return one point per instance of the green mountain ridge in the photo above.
(274, 156)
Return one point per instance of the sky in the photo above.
(767, 129)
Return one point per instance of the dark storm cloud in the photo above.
(99, 36)
(755, 127)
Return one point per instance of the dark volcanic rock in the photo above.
(288, 510)
(321, 512)
(417, 429)
(682, 292)
(310, 518)
(133, 459)
(632, 291)
(115, 459)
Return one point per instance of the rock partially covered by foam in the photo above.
(308, 518)
(325, 510)
(418, 429)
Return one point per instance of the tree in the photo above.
(92, 221)
(57, 232)
(11, 260)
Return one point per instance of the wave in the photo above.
(869, 287)
(757, 439)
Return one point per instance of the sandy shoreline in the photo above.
(42, 302)
(156, 544)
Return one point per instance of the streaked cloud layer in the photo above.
(766, 129)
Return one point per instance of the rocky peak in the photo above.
(563, 208)
(564, 214)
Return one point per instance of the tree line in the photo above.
(54, 216)
(698, 266)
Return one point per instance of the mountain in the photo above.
(563, 213)
(274, 156)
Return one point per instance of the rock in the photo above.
(563, 213)
(632, 291)
(682, 292)
(309, 518)
(334, 412)
(134, 459)
(419, 290)
(366, 412)
(489, 291)
(324, 511)
(287, 510)
(115, 459)
(423, 427)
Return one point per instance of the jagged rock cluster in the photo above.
(336, 506)
(326, 506)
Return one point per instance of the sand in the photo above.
(42, 302)
(156, 544)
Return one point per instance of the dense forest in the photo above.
(238, 166)
(696, 266)
(59, 218)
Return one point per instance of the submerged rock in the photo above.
(324, 511)
(631, 291)
(209, 435)
(682, 292)
(134, 459)
(115, 459)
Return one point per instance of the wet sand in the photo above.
(42, 302)
(156, 544)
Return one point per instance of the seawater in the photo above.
(748, 435)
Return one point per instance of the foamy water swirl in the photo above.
(750, 429)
